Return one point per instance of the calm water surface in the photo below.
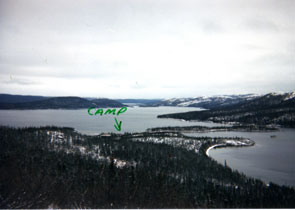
(135, 119)
(271, 159)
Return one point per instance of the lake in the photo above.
(271, 159)
(135, 119)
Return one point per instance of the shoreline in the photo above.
(231, 143)
(212, 147)
(206, 129)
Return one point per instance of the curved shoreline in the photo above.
(230, 143)
(216, 145)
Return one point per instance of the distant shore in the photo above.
(204, 129)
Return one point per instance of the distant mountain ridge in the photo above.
(206, 102)
(8, 98)
(69, 102)
(143, 102)
(272, 108)
(104, 102)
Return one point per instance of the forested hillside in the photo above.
(59, 168)
(8, 98)
(265, 110)
(69, 102)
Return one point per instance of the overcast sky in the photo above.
(146, 48)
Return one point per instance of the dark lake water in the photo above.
(271, 159)
(135, 119)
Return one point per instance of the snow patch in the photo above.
(290, 96)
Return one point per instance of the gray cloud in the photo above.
(260, 24)
(276, 59)
(18, 81)
(169, 47)
(212, 27)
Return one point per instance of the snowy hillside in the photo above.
(206, 102)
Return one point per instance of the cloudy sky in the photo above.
(146, 48)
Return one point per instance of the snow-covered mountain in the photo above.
(272, 108)
(206, 102)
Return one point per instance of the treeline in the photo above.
(69, 102)
(38, 173)
(256, 112)
(249, 128)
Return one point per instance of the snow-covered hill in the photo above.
(220, 100)
(206, 102)
(272, 108)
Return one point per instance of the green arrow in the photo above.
(118, 125)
